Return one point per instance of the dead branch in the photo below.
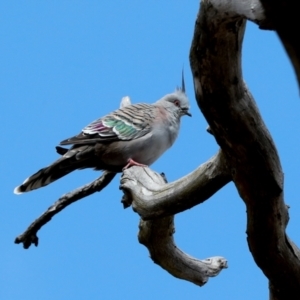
(238, 128)
(152, 200)
(283, 16)
(29, 236)
(157, 235)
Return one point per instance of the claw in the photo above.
(131, 163)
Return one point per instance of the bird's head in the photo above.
(177, 102)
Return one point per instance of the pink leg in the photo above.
(131, 163)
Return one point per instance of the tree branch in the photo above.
(283, 16)
(152, 200)
(157, 235)
(235, 121)
(30, 234)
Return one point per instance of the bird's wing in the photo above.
(128, 123)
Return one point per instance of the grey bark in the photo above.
(248, 147)
(157, 235)
(283, 17)
(246, 144)
(29, 236)
(152, 200)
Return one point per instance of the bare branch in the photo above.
(30, 235)
(283, 16)
(236, 124)
(157, 236)
(251, 10)
(152, 200)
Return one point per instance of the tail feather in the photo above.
(71, 161)
(61, 150)
(44, 176)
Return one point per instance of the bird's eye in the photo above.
(177, 103)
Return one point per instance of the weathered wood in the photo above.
(283, 16)
(236, 124)
(152, 200)
(29, 236)
(157, 235)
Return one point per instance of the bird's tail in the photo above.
(73, 159)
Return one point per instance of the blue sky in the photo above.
(66, 63)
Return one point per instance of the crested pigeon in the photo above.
(136, 134)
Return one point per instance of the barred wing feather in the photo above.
(128, 123)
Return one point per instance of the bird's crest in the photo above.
(182, 88)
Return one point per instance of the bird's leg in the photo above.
(131, 163)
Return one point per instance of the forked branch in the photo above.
(147, 191)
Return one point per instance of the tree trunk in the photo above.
(248, 147)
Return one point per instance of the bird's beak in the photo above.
(186, 112)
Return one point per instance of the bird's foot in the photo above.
(131, 163)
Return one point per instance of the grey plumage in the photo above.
(132, 135)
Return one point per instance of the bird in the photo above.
(133, 135)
